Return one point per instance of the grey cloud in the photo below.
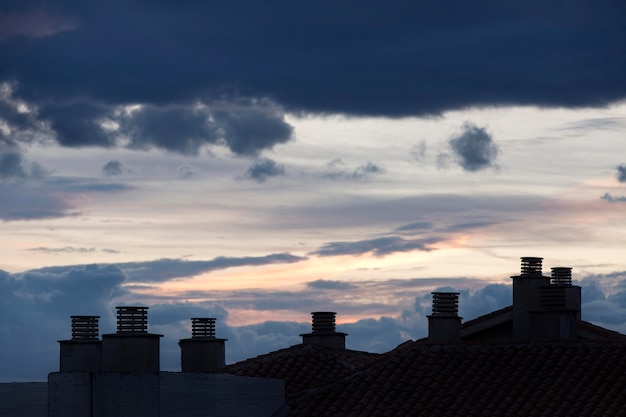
(621, 173)
(36, 307)
(264, 168)
(338, 170)
(604, 123)
(85, 185)
(113, 167)
(418, 152)
(13, 165)
(323, 284)
(415, 226)
(379, 247)
(613, 199)
(246, 129)
(65, 249)
(186, 171)
(29, 203)
(166, 269)
(474, 148)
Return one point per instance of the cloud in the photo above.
(66, 249)
(613, 199)
(338, 170)
(621, 173)
(166, 269)
(13, 164)
(36, 307)
(418, 152)
(33, 22)
(32, 202)
(113, 168)
(209, 74)
(324, 284)
(415, 226)
(378, 247)
(474, 148)
(264, 168)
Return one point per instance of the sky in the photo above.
(258, 161)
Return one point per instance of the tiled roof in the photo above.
(303, 366)
(543, 379)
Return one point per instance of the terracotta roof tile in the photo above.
(566, 378)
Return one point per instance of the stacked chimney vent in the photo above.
(561, 275)
(203, 327)
(531, 266)
(323, 322)
(85, 327)
(445, 303)
(132, 319)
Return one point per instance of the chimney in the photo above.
(526, 295)
(84, 351)
(203, 352)
(559, 308)
(132, 348)
(324, 333)
(562, 276)
(444, 324)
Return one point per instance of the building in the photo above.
(533, 358)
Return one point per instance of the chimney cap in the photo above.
(323, 321)
(85, 327)
(132, 319)
(561, 275)
(531, 266)
(445, 303)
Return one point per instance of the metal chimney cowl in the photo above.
(323, 331)
(203, 352)
(444, 324)
(131, 348)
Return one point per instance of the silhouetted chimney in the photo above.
(84, 351)
(324, 333)
(444, 324)
(562, 276)
(203, 352)
(132, 348)
(526, 295)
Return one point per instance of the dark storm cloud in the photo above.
(378, 247)
(264, 168)
(77, 61)
(166, 269)
(474, 148)
(77, 124)
(621, 173)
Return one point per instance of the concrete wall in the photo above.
(219, 395)
(162, 394)
(24, 399)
